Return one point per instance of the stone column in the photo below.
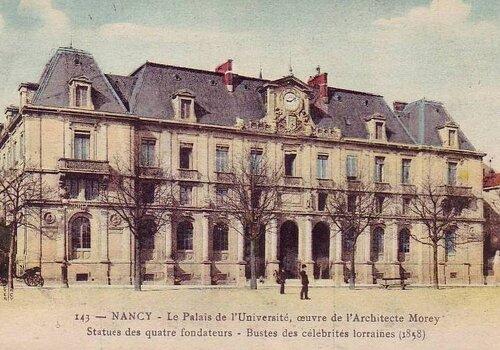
(169, 261)
(338, 275)
(307, 251)
(394, 271)
(272, 244)
(367, 246)
(104, 242)
(239, 270)
(62, 244)
(367, 275)
(206, 277)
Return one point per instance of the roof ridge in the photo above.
(354, 91)
(198, 70)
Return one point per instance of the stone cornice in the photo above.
(193, 126)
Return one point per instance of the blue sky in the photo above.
(446, 50)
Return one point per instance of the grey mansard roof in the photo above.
(66, 64)
(422, 119)
(147, 92)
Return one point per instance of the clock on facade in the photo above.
(291, 101)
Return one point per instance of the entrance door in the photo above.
(288, 249)
(321, 250)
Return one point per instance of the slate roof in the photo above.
(214, 104)
(147, 92)
(66, 64)
(423, 118)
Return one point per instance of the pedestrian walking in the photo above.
(281, 279)
(305, 284)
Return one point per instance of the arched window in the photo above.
(347, 244)
(450, 244)
(403, 244)
(147, 231)
(80, 236)
(377, 244)
(220, 237)
(185, 236)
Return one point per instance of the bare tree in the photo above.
(21, 193)
(251, 196)
(144, 197)
(439, 208)
(352, 209)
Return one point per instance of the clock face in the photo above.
(291, 101)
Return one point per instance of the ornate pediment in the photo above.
(287, 111)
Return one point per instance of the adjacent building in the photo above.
(72, 125)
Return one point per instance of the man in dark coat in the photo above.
(305, 283)
(281, 280)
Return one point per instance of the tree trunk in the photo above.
(11, 264)
(352, 276)
(137, 264)
(253, 272)
(435, 265)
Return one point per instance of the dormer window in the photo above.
(452, 138)
(183, 105)
(81, 93)
(449, 135)
(81, 96)
(375, 125)
(379, 127)
(185, 108)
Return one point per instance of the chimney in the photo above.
(10, 112)
(26, 93)
(399, 106)
(227, 69)
(320, 81)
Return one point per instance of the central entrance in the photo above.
(321, 250)
(288, 248)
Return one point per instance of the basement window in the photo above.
(82, 277)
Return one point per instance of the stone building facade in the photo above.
(75, 124)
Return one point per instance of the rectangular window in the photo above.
(452, 134)
(255, 159)
(379, 169)
(351, 203)
(221, 159)
(379, 204)
(185, 108)
(322, 166)
(322, 200)
(352, 167)
(379, 128)
(148, 192)
(91, 189)
(450, 243)
(148, 152)
(81, 93)
(452, 174)
(255, 198)
(406, 205)
(185, 156)
(220, 194)
(73, 188)
(186, 195)
(405, 171)
(290, 164)
(82, 145)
